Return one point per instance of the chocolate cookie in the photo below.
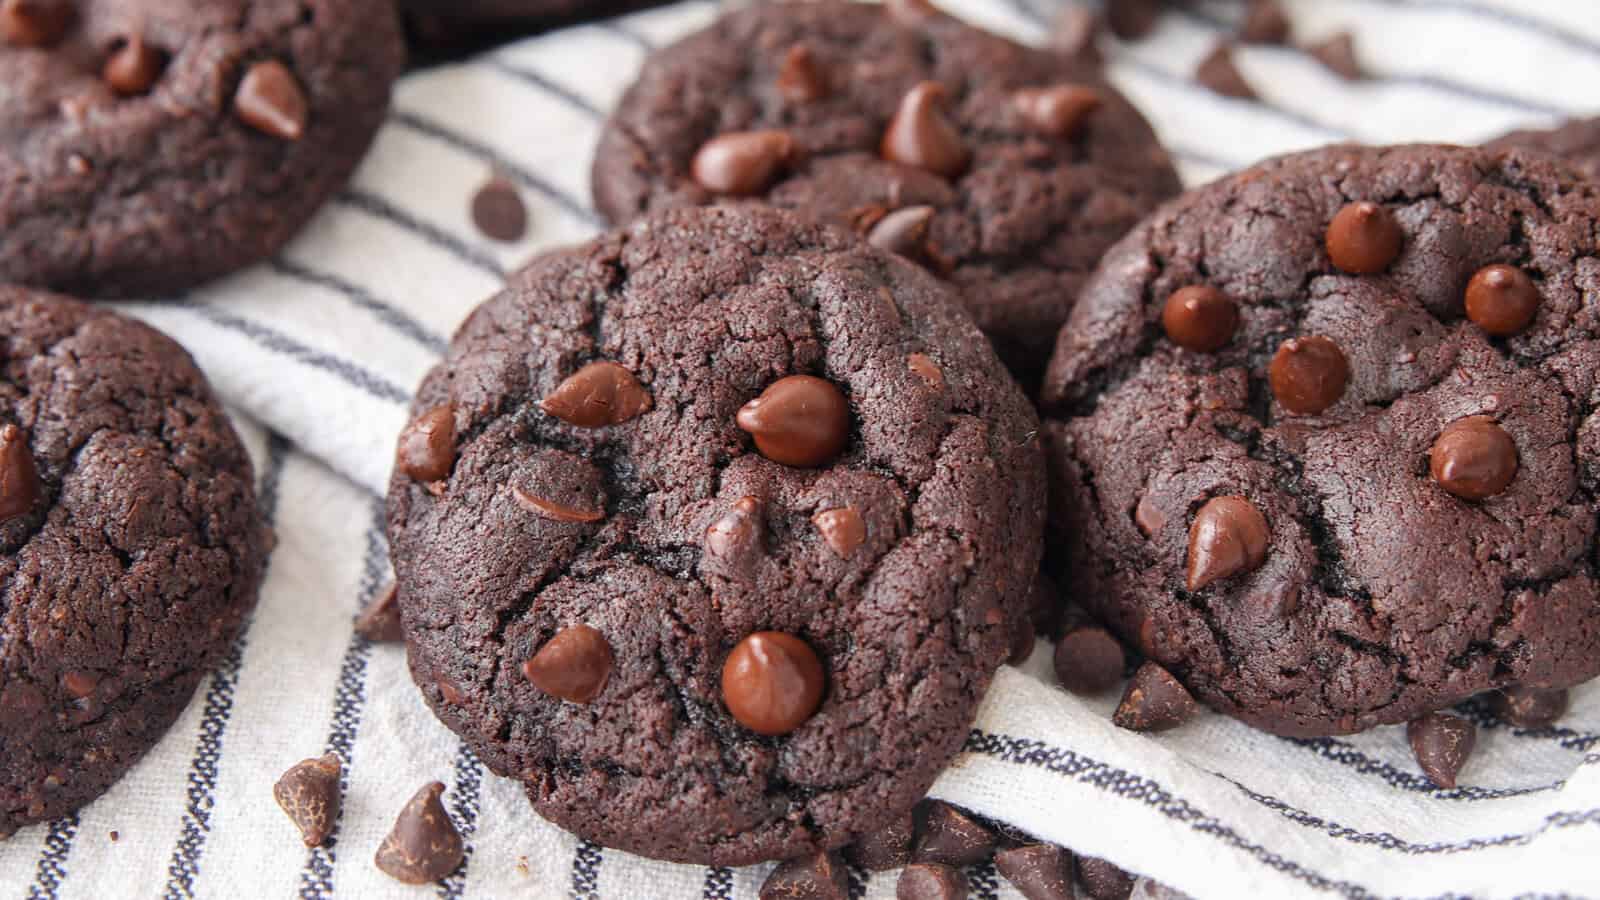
(130, 547)
(1576, 141)
(712, 531)
(147, 147)
(1323, 438)
(1004, 169)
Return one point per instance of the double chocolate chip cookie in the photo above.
(146, 147)
(1323, 436)
(1005, 170)
(131, 547)
(712, 532)
(1577, 142)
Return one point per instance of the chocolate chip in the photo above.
(1022, 640)
(1074, 33)
(1218, 72)
(799, 420)
(34, 23)
(920, 134)
(1229, 536)
(737, 532)
(951, 837)
(1148, 516)
(842, 530)
(1057, 111)
(903, 232)
(1200, 318)
(424, 845)
(887, 848)
(1154, 701)
(743, 162)
(1442, 743)
(863, 218)
(498, 211)
(599, 394)
(1529, 707)
(133, 68)
(1089, 661)
(380, 621)
(270, 100)
(448, 691)
(1264, 23)
(554, 510)
(1038, 871)
(309, 793)
(1131, 20)
(1502, 300)
(1338, 53)
(1308, 374)
(80, 685)
(1102, 880)
(800, 79)
(930, 881)
(1473, 458)
(573, 665)
(926, 369)
(820, 876)
(1364, 238)
(428, 445)
(772, 682)
(19, 477)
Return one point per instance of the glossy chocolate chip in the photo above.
(1308, 374)
(1264, 23)
(887, 848)
(424, 845)
(1441, 743)
(1154, 701)
(1103, 880)
(951, 837)
(1089, 661)
(599, 394)
(271, 101)
(800, 421)
(380, 621)
(1473, 458)
(133, 68)
(35, 23)
(742, 163)
(772, 682)
(903, 232)
(1148, 516)
(1229, 536)
(555, 510)
(1058, 111)
(1364, 238)
(800, 78)
(1529, 707)
(1502, 300)
(427, 449)
(1338, 54)
(842, 530)
(573, 665)
(1037, 871)
(1218, 72)
(309, 794)
(819, 876)
(920, 134)
(1200, 318)
(930, 881)
(19, 476)
(498, 211)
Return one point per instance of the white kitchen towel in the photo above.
(324, 345)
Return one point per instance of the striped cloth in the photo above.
(324, 344)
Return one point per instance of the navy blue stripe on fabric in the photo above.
(462, 804)
(1335, 750)
(718, 884)
(586, 860)
(391, 315)
(350, 700)
(1529, 24)
(184, 866)
(380, 208)
(51, 869)
(528, 76)
(475, 148)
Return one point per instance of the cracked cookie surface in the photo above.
(131, 548)
(657, 537)
(1045, 187)
(150, 146)
(1424, 528)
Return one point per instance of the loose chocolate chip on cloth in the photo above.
(1369, 502)
(793, 559)
(1021, 165)
(147, 147)
(131, 547)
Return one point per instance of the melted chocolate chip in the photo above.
(1364, 238)
(553, 510)
(819, 876)
(80, 685)
(424, 844)
(133, 68)
(1057, 111)
(271, 101)
(309, 793)
(498, 211)
(737, 532)
(800, 78)
(599, 394)
(1089, 661)
(742, 163)
(903, 232)
(1229, 536)
(428, 445)
(772, 682)
(799, 420)
(920, 134)
(1502, 300)
(842, 529)
(1441, 743)
(573, 665)
(1473, 458)
(1308, 374)
(1154, 701)
(927, 370)
(1200, 318)
(19, 477)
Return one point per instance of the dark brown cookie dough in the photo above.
(1577, 142)
(626, 563)
(130, 547)
(1366, 504)
(1035, 185)
(146, 147)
